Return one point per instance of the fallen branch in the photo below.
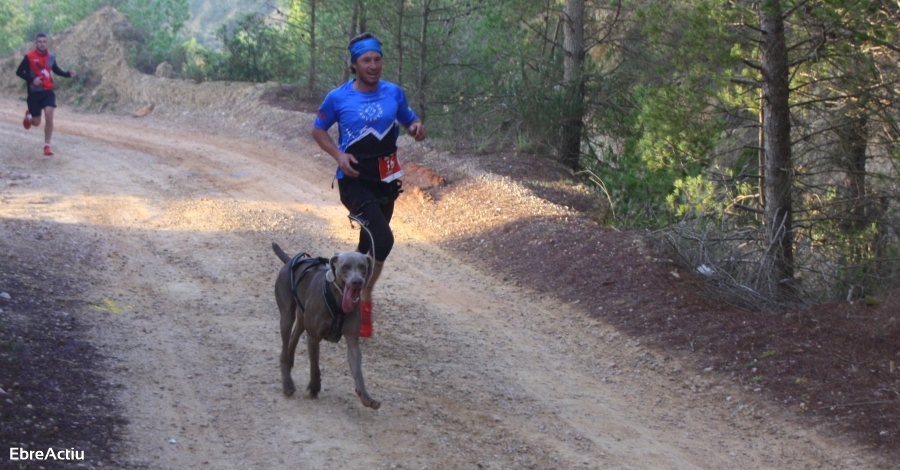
(853, 362)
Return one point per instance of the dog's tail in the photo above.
(281, 254)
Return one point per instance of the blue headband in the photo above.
(361, 47)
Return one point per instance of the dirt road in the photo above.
(472, 372)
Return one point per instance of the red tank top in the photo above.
(41, 64)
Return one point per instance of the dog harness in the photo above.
(308, 264)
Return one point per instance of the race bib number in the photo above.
(389, 168)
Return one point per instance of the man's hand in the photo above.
(72, 74)
(344, 160)
(38, 81)
(417, 130)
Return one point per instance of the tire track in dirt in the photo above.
(472, 371)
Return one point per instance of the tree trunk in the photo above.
(363, 26)
(762, 153)
(311, 84)
(548, 8)
(354, 20)
(779, 256)
(400, 43)
(573, 80)
(421, 107)
(852, 160)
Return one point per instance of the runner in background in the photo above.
(35, 70)
(369, 112)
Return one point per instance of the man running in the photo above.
(35, 70)
(369, 112)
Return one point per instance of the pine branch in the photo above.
(609, 29)
(542, 35)
(752, 65)
(875, 41)
(791, 10)
(754, 28)
(746, 81)
(748, 208)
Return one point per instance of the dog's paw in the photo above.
(367, 401)
(287, 386)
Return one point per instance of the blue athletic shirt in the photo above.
(367, 122)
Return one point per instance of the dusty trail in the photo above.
(471, 371)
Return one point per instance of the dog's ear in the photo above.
(370, 263)
(329, 276)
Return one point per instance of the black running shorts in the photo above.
(39, 100)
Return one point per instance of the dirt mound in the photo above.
(97, 48)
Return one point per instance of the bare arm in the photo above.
(416, 129)
(343, 159)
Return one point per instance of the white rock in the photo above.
(5, 295)
(172, 441)
(705, 270)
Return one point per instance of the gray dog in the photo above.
(311, 281)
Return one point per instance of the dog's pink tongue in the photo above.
(351, 296)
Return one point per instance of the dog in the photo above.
(306, 280)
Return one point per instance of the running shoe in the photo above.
(47, 150)
(27, 121)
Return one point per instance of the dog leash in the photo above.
(365, 225)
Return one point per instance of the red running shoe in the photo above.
(365, 330)
(27, 121)
(47, 150)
